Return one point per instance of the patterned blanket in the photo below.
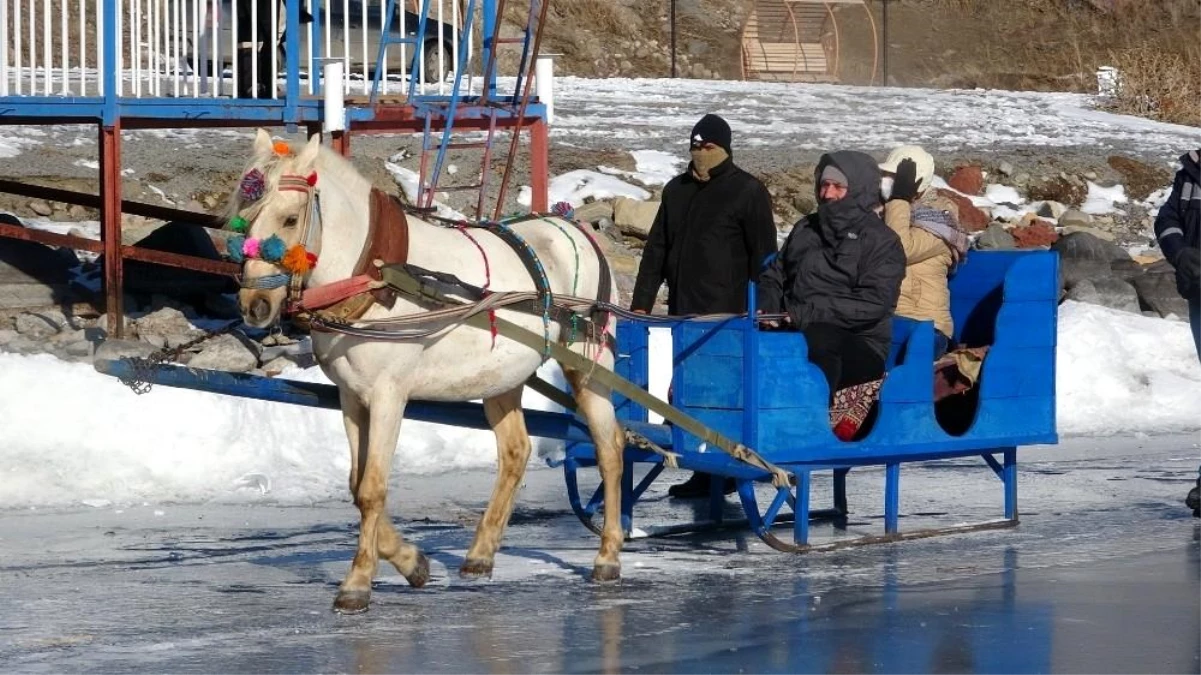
(954, 374)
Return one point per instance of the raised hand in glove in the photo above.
(904, 186)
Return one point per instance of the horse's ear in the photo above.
(263, 146)
(308, 155)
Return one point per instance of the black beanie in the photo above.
(712, 129)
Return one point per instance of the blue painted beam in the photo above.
(470, 415)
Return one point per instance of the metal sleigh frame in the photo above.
(759, 388)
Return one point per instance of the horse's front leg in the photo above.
(370, 496)
(405, 557)
(507, 420)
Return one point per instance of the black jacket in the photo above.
(1178, 225)
(708, 240)
(842, 265)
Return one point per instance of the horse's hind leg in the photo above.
(593, 402)
(513, 452)
(370, 496)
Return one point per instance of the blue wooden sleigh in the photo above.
(759, 388)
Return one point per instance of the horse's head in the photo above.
(274, 212)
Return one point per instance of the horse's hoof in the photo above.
(606, 573)
(352, 602)
(421, 572)
(474, 568)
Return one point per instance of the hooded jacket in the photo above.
(1178, 225)
(708, 241)
(842, 265)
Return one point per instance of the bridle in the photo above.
(295, 263)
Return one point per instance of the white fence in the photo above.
(168, 47)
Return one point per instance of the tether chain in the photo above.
(143, 369)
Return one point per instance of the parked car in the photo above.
(346, 34)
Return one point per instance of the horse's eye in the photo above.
(290, 221)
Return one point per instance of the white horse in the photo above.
(376, 379)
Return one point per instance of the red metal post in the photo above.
(539, 165)
(110, 227)
(340, 140)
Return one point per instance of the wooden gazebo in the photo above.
(796, 40)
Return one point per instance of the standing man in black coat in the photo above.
(711, 237)
(1178, 229)
(838, 276)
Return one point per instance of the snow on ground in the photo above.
(1102, 200)
(657, 114)
(575, 186)
(69, 434)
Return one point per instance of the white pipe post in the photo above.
(83, 47)
(47, 39)
(3, 47)
(544, 84)
(17, 43)
(333, 97)
(63, 47)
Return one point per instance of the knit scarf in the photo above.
(942, 225)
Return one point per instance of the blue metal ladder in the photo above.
(437, 139)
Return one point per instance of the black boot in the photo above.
(697, 487)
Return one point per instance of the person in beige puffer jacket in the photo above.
(927, 224)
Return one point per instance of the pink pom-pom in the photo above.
(250, 248)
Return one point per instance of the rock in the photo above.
(1059, 189)
(1074, 218)
(79, 349)
(967, 179)
(1084, 256)
(69, 335)
(594, 211)
(1034, 233)
(1113, 293)
(7, 336)
(634, 217)
(995, 238)
(1052, 209)
(1090, 175)
(1096, 232)
(226, 353)
(40, 324)
(1140, 178)
(1126, 270)
(168, 323)
(278, 365)
(971, 219)
(1156, 289)
(156, 341)
(111, 350)
(1021, 180)
(1005, 168)
(40, 207)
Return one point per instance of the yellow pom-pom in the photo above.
(282, 148)
(296, 260)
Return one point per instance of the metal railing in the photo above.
(221, 48)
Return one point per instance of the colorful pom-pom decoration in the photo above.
(311, 179)
(254, 185)
(250, 248)
(296, 260)
(563, 209)
(234, 246)
(282, 148)
(272, 249)
(238, 224)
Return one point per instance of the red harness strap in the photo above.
(323, 296)
(487, 280)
